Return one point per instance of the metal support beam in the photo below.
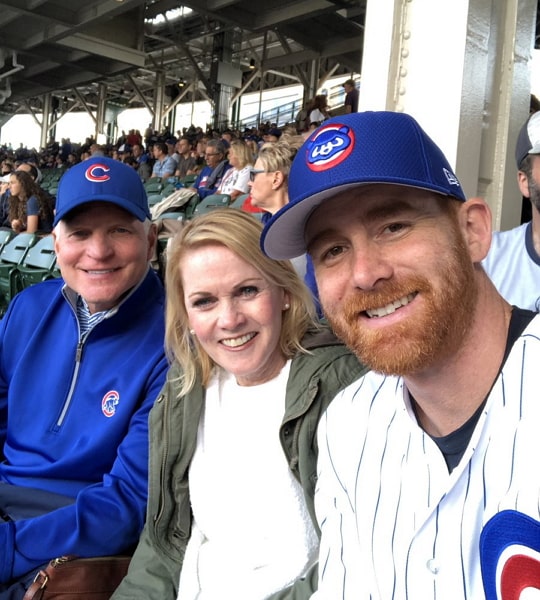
(301, 76)
(139, 93)
(101, 110)
(178, 99)
(86, 107)
(159, 94)
(44, 125)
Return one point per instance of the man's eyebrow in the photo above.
(397, 208)
(390, 210)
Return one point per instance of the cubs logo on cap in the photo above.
(97, 172)
(101, 178)
(349, 151)
(331, 145)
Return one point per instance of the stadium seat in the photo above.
(153, 187)
(239, 201)
(188, 180)
(11, 257)
(38, 264)
(211, 203)
(6, 235)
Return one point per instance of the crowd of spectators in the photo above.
(159, 154)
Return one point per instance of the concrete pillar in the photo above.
(462, 71)
(45, 121)
(222, 92)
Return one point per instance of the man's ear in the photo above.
(523, 184)
(475, 220)
(152, 240)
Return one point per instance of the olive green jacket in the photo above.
(314, 380)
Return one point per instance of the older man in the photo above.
(426, 487)
(209, 179)
(81, 363)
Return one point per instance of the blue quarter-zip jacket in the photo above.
(73, 420)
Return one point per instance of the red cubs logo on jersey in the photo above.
(97, 172)
(109, 403)
(329, 146)
(510, 556)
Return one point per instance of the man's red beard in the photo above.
(421, 340)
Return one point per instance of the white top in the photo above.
(514, 266)
(316, 116)
(235, 179)
(395, 524)
(252, 533)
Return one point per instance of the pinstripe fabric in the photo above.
(395, 524)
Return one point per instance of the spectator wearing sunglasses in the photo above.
(209, 179)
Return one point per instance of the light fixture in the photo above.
(181, 82)
(252, 63)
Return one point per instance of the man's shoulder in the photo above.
(36, 299)
(507, 245)
(501, 239)
(39, 291)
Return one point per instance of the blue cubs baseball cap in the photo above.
(351, 150)
(105, 179)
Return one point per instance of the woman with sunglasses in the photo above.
(269, 183)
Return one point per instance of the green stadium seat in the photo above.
(211, 203)
(38, 264)
(11, 257)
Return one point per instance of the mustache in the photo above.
(386, 293)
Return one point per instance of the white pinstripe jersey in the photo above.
(395, 524)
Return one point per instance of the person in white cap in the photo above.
(426, 480)
(513, 262)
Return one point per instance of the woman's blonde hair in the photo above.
(243, 153)
(240, 233)
(278, 156)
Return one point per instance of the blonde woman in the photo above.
(235, 181)
(233, 448)
(269, 183)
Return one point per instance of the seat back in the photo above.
(11, 257)
(6, 235)
(238, 202)
(211, 203)
(38, 264)
(41, 255)
(15, 250)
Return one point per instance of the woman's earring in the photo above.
(192, 332)
(286, 306)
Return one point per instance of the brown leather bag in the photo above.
(72, 578)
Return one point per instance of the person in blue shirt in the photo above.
(30, 210)
(81, 364)
(210, 177)
(164, 166)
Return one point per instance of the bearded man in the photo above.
(513, 262)
(424, 483)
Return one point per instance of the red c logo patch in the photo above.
(97, 172)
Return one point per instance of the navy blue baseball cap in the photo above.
(105, 179)
(351, 150)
